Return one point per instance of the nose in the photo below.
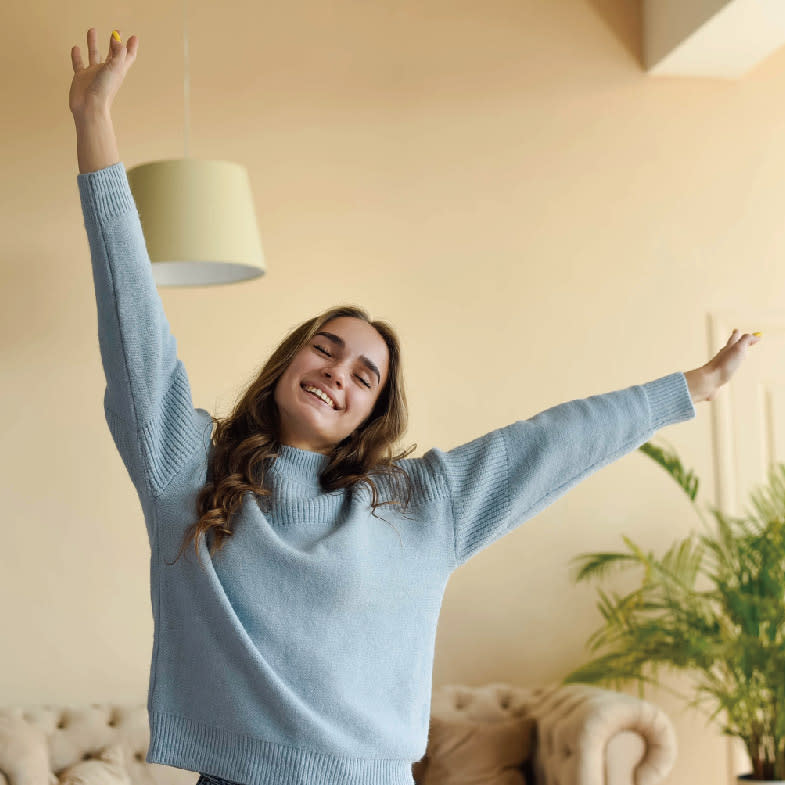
(336, 374)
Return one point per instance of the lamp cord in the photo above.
(186, 78)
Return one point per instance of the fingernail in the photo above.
(116, 36)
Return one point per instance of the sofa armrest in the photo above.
(24, 753)
(592, 736)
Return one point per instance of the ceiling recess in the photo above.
(710, 38)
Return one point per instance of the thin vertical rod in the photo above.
(186, 80)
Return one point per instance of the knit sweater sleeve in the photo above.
(147, 400)
(501, 479)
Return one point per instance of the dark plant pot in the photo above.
(742, 778)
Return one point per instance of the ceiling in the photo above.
(710, 38)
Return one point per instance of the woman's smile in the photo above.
(316, 399)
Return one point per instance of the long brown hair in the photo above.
(248, 439)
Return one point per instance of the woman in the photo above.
(298, 647)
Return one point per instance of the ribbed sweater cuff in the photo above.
(106, 192)
(669, 400)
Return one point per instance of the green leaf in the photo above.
(669, 461)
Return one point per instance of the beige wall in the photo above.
(539, 219)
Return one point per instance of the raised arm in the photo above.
(147, 401)
(505, 477)
(508, 475)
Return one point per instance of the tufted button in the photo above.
(61, 722)
(566, 751)
(87, 756)
(139, 756)
(463, 700)
(505, 702)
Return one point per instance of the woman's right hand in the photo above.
(94, 87)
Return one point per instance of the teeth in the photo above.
(317, 391)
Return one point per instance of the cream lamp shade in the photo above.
(198, 220)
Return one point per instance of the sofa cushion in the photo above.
(107, 767)
(463, 751)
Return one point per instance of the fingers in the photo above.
(740, 342)
(743, 341)
(92, 47)
(76, 59)
(115, 47)
(735, 337)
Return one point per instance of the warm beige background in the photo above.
(501, 180)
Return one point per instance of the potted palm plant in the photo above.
(713, 606)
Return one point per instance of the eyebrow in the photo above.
(336, 339)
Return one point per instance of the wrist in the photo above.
(701, 383)
(96, 143)
(92, 114)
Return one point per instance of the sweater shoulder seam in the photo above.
(444, 491)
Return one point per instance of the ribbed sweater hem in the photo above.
(185, 744)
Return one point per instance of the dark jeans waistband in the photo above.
(211, 779)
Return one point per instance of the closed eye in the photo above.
(324, 351)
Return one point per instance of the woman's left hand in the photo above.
(725, 363)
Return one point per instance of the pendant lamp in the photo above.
(197, 216)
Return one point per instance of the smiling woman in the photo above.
(302, 653)
(353, 361)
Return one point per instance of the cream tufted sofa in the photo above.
(581, 736)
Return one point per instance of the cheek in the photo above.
(297, 369)
(369, 405)
(285, 383)
(303, 363)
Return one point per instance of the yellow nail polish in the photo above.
(116, 36)
(757, 333)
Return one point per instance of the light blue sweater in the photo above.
(302, 654)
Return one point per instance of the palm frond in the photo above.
(669, 461)
(769, 501)
(599, 565)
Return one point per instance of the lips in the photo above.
(335, 406)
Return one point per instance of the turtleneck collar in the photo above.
(303, 466)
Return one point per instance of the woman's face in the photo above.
(344, 363)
